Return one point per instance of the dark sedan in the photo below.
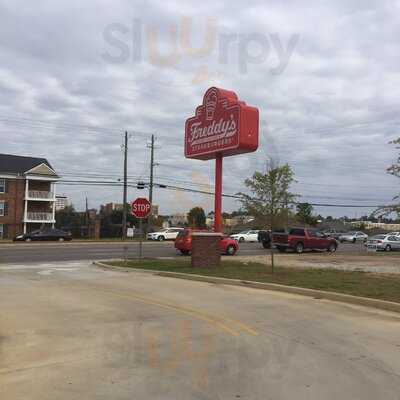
(45, 235)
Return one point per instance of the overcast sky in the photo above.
(324, 75)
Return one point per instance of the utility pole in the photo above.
(151, 169)
(125, 187)
(87, 217)
(152, 164)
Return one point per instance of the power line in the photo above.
(37, 121)
(68, 126)
(190, 190)
(45, 124)
(209, 185)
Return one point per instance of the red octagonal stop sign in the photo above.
(141, 208)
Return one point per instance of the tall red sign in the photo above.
(222, 126)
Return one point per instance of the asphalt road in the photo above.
(72, 331)
(43, 252)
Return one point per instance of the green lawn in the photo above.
(383, 287)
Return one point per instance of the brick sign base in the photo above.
(206, 251)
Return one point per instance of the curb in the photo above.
(83, 242)
(80, 243)
(318, 294)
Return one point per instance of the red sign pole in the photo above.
(218, 194)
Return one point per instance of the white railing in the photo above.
(40, 194)
(39, 216)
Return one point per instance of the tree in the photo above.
(197, 217)
(305, 214)
(394, 170)
(156, 221)
(70, 220)
(64, 217)
(271, 199)
(111, 225)
(238, 213)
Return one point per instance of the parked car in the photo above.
(383, 242)
(332, 233)
(183, 243)
(394, 234)
(164, 234)
(246, 236)
(353, 237)
(264, 237)
(45, 234)
(300, 239)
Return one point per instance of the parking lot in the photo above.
(73, 331)
(45, 252)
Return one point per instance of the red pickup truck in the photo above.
(299, 239)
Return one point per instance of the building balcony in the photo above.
(40, 195)
(41, 217)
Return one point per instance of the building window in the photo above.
(1, 231)
(2, 208)
(2, 185)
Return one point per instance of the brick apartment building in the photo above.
(27, 194)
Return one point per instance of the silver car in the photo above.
(394, 233)
(383, 242)
(353, 237)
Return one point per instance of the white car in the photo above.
(353, 237)
(164, 234)
(383, 242)
(246, 236)
(394, 234)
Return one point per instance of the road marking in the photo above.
(59, 266)
(46, 364)
(245, 327)
(192, 313)
(50, 271)
(216, 321)
(46, 272)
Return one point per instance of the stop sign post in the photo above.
(141, 208)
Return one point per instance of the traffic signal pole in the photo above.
(218, 194)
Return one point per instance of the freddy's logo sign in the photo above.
(222, 125)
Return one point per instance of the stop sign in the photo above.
(141, 208)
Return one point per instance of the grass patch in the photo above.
(382, 287)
